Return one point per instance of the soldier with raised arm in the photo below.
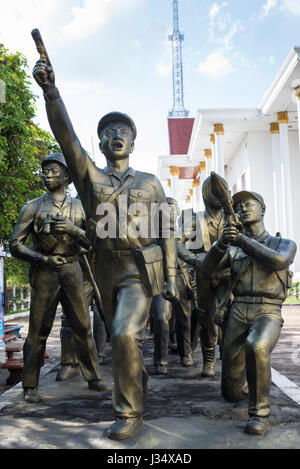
(125, 297)
(259, 266)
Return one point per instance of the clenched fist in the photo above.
(44, 75)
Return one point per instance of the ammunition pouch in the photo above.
(149, 261)
(47, 244)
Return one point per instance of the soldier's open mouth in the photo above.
(117, 145)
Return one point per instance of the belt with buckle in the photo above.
(121, 253)
(257, 300)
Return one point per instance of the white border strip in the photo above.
(287, 386)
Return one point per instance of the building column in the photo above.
(203, 169)
(282, 119)
(169, 187)
(214, 165)
(197, 194)
(280, 224)
(297, 95)
(202, 178)
(188, 201)
(174, 171)
(219, 132)
(208, 155)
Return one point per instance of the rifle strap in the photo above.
(115, 194)
(119, 189)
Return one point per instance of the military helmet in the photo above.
(56, 158)
(116, 117)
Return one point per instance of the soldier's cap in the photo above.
(244, 195)
(116, 117)
(171, 200)
(56, 158)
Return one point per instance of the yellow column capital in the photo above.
(219, 129)
(282, 117)
(208, 153)
(297, 92)
(196, 182)
(274, 128)
(188, 198)
(174, 170)
(191, 192)
(203, 165)
(212, 139)
(169, 182)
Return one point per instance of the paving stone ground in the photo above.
(182, 410)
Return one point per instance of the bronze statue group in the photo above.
(218, 268)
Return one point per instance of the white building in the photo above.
(255, 149)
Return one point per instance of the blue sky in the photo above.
(115, 55)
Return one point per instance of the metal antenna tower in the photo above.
(176, 38)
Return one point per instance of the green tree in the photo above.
(22, 147)
(22, 143)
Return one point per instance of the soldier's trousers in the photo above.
(207, 302)
(51, 286)
(251, 334)
(126, 308)
(183, 311)
(161, 312)
(68, 352)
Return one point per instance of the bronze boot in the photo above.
(257, 425)
(209, 361)
(124, 428)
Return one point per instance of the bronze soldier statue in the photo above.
(209, 226)
(127, 266)
(162, 311)
(259, 266)
(54, 220)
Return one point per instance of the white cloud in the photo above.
(17, 22)
(163, 68)
(267, 7)
(268, 60)
(227, 40)
(291, 6)
(216, 65)
(214, 10)
(91, 16)
(222, 28)
(81, 87)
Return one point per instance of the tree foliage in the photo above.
(22, 143)
(22, 147)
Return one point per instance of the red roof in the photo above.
(180, 130)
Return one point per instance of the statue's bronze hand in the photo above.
(228, 236)
(56, 261)
(44, 75)
(171, 292)
(63, 225)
